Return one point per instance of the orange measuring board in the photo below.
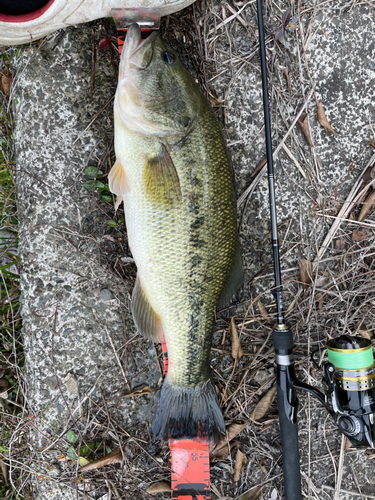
(190, 461)
(121, 33)
(190, 468)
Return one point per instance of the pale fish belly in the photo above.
(158, 241)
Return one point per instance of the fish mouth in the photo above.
(137, 52)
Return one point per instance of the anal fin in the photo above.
(235, 280)
(117, 182)
(146, 320)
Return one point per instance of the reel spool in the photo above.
(350, 374)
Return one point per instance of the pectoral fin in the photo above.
(161, 182)
(234, 282)
(146, 320)
(117, 182)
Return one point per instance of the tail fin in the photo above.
(184, 411)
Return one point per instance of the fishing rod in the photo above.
(349, 374)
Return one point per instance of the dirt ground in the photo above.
(88, 372)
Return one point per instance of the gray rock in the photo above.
(68, 339)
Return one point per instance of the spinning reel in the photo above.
(349, 383)
(350, 379)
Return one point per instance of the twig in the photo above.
(304, 50)
(93, 62)
(294, 160)
(118, 359)
(355, 479)
(311, 485)
(341, 465)
(256, 181)
(346, 492)
(230, 18)
(95, 117)
(350, 221)
(347, 206)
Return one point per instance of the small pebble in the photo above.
(105, 294)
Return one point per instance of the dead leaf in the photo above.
(274, 494)
(347, 444)
(367, 206)
(71, 384)
(252, 494)
(223, 452)
(359, 235)
(320, 299)
(264, 404)
(5, 82)
(369, 173)
(323, 119)
(4, 470)
(240, 462)
(237, 351)
(4, 386)
(160, 487)
(108, 237)
(339, 244)
(263, 312)
(303, 122)
(306, 272)
(287, 78)
(264, 470)
(231, 432)
(361, 328)
(114, 457)
(214, 98)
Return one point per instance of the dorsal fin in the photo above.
(146, 320)
(161, 182)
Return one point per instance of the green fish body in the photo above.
(174, 176)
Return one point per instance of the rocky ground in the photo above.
(89, 378)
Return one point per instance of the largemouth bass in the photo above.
(173, 174)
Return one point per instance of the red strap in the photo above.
(121, 39)
(165, 355)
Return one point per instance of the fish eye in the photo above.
(168, 57)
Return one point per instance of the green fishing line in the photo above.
(346, 359)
